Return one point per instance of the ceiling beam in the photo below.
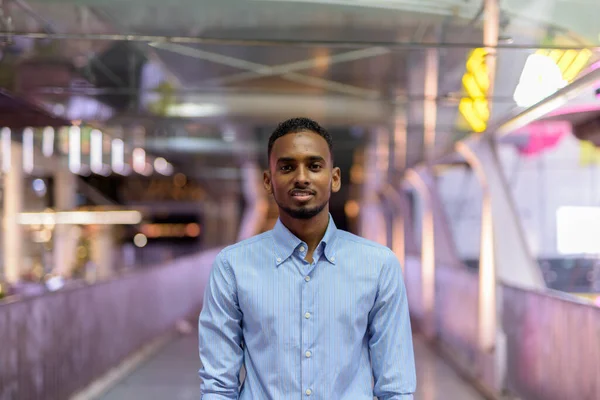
(265, 70)
(340, 44)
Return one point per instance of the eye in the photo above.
(316, 166)
(285, 168)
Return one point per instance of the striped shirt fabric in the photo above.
(322, 330)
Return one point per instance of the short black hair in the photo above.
(295, 125)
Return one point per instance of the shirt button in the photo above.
(278, 259)
(307, 278)
(332, 258)
(308, 354)
(302, 248)
(308, 392)
(307, 315)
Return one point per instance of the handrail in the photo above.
(58, 343)
(549, 292)
(82, 284)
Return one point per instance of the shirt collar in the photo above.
(285, 242)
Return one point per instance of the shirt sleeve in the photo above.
(390, 336)
(220, 335)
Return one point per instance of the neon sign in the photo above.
(474, 107)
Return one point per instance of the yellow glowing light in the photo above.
(476, 82)
(467, 110)
(570, 62)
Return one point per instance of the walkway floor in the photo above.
(172, 375)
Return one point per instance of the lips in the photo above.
(302, 194)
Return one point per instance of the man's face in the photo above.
(301, 176)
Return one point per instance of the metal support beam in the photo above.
(400, 140)
(286, 71)
(548, 105)
(12, 235)
(297, 66)
(430, 106)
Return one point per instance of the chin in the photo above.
(303, 212)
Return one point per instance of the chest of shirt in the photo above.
(294, 297)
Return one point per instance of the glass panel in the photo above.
(557, 195)
(462, 198)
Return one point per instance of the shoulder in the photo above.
(357, 245)
(245, 247)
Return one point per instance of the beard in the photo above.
(302, 212)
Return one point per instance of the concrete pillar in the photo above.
(437, 246)
(256, 201)
(65, 236)
(505, 257)
(103, 250)
(12, 237)
(427, 287)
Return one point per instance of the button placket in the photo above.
(308, 315)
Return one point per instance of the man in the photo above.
(310, 310)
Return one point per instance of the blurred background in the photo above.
(133, 137)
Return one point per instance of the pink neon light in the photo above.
(576, 109)
(543, 135)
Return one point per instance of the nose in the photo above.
(302, 176)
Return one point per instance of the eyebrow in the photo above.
(291, 159)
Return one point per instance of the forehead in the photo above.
(300, 144)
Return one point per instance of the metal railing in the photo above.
(412, 278)
(58, 343)
(552, 339)
(456, 309)
(553, 345)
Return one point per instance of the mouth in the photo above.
(302, 195)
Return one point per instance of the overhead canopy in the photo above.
(187, 67)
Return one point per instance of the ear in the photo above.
(336, 180)
(267, 181)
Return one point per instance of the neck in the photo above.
(310, 231)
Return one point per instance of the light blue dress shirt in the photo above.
(320, 330)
